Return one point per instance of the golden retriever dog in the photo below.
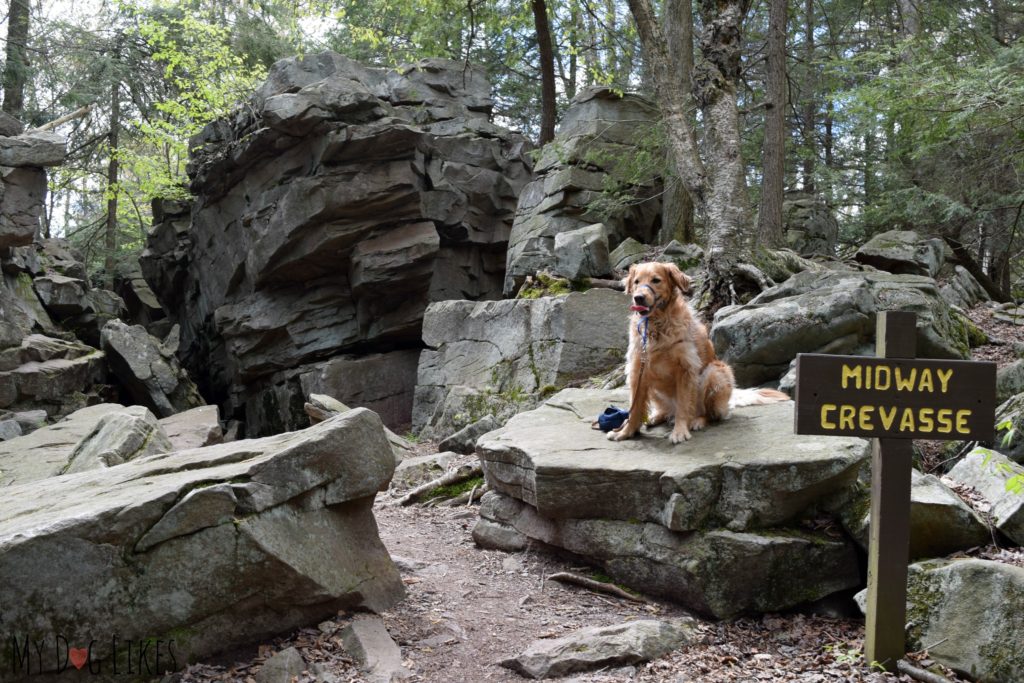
(671, 367)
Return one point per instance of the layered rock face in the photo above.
(195, 551)
(329, 211)
(560, 225)
(713, 523)
(501, 357)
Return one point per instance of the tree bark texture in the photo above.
(109, 262)
(769, 218)
(718, 187)
(16, 67)
(547, 71)
(677, 205)
(809, 109)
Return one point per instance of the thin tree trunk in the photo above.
(112, 189)
(16, 67)
(677, 205)
(769, 218)
(810, 146)
(718, 187)
(547, 71)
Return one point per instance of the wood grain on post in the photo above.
(889, 544)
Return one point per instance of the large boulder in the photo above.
(50, 374)
(969, 614)
(199, 551)
(388, 189)
(903, 251)
(990, 473)
(831, 311)
(117, 438)
(500, 357)
(811, 227)
(147, 371)
(712, 523)
(592, 152)
(940, 522)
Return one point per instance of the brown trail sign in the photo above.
(893, 398)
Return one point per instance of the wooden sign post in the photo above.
(893, 398)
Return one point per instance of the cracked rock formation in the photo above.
(201, 550)
(328, 213)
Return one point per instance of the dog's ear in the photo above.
(627, 281)
(679, 278)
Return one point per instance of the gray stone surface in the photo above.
(959, 288)
(903, 251)
(500, 357)
(830, 311)
(603, 646)
(708, 523)
(420, 469)
(582, 252)
(382, 382)
(597, 135)
(389, 189)
(940, 522)
(969, 614)
(23, 190)
(117, 438)
(464, 440)
(45, 452)
(401, 447)
(195, 579)
(282, 667)
(626, 254)
(149, 374)
(9, 429)
(1009, 381)
(33, 149)
(193, 428)
(811, 228)
(367, 640)
(1011, 410)
(717, 572)
(988, 472)
(48, 373)
(749, 472)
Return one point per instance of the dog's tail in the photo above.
(756, 397)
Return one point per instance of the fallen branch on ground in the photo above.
(455, 476)
(599, 586)
(317, 414)
(468, 497)
(905, 667)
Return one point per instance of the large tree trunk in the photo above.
(677, 205)
(110, 259)
(809, 110)
(547, 71)
(769, 217)
(16, 68)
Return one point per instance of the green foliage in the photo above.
(205, 79)
(1013, 474)
(453, 490)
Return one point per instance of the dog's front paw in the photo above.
(698, 423)
(617, 435)
(679, 435)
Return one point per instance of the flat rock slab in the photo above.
(204, 550)
(46, 451)
(748, 472)
(597, 647)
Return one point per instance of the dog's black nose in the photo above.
(639, 298)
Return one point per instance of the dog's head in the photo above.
(652, 286)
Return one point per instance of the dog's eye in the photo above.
(656, 280)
